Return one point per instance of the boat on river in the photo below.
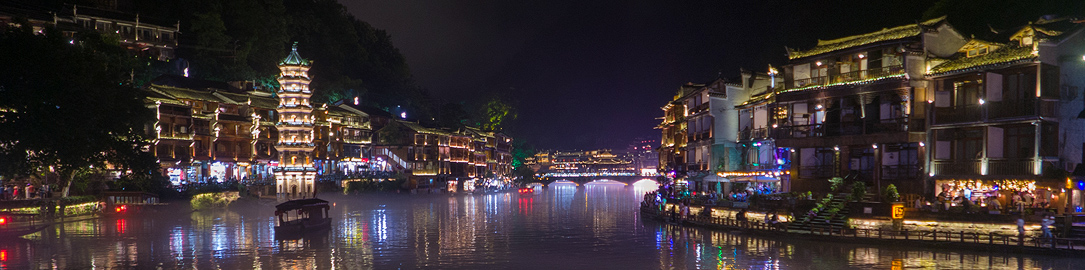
(295, 218)
(130, 203)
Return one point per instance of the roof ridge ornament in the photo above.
(293, 58)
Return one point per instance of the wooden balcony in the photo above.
(1011, 167)
(853, 76)
(861, 127)
(996, 110)
(956, 167)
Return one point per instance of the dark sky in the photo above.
(593, 74)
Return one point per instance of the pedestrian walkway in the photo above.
(931, 237)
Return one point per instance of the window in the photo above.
(1019, 142)
(969, 144)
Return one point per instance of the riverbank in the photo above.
(959, 240)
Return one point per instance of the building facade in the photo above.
(296, 174)
(847, 106)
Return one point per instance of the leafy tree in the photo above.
(497, 114)
(69, 106)
(524, 174)
(858, 190)
(392, 134)
(891, 194)
(835, 183)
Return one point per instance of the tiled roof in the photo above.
(182, 93)
(1000, 56)
(264, 102)
(899, 32)
(420, 129)
(294, 58)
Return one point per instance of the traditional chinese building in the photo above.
(996, 121)
(146, 37)
(848, 106)
(296, 175)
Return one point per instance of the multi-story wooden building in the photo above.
(672, 157)
(210, 130)
(146, 37)
(756, 159)
(996, 116)
(848, 105)
(436, 157)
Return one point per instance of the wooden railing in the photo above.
(926, 236)
(957, 167)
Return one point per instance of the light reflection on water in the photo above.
(562, 226)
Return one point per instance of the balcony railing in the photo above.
(1011, 167)
(820, 171)
(860, 127)
(699, 108)
(852, 76)
(699, 136)
(894, 172)
(811, 81)
(1012, 108)
(957, 167)
(758, 167)
(1029, 107)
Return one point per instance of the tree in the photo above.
(496, 114)
(69, 105)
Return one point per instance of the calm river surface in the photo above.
(560, 227)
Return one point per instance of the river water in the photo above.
(559, 227)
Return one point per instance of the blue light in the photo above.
(1081, 185)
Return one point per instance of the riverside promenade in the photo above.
(990, 241)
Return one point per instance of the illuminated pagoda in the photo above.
(295, 176)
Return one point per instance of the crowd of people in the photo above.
(1019, 201)
(28, 192)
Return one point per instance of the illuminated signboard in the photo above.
(898, 211)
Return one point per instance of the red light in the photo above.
(3, 255)
(122, 226)
(122, 208)
(3, 220)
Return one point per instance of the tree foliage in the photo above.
(496, 114)
(69, 105)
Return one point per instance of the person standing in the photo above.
(1020, 230)
(1045, 226)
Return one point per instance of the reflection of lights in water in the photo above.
(122, 226)
(177, 242)
(380, 220)
(563, 194)
(219, 239)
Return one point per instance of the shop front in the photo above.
(1002, 195)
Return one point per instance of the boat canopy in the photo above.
(298, 204)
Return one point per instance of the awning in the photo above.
(757, 178)
(716, 178)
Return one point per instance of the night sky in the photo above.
(594, 74)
